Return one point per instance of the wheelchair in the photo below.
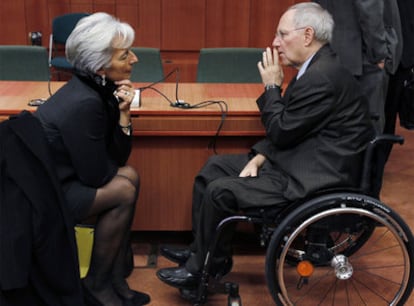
(338, 247)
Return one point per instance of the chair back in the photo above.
(229, 65)
(62, 26)
(149, 66)
(23, 63)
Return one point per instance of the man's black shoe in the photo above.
(189, 294)
(179, 277)
(178, 255)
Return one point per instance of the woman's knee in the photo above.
(131, 174)
(124, 187)
(127, 190)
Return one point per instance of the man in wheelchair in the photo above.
(316, 135)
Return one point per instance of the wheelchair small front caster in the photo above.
(234, 297)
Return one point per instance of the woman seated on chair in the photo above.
(88, 126)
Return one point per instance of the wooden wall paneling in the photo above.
(148, 28)
(185, 61)
(107, 6)
(127, 11)
(265, 15)
(57, 7)
(179, 28)
(227, 23)
(82, 6)
(126, 2)
(182, 36)
(183, 24)
(39, 21)
(12, 22)
(172, 161)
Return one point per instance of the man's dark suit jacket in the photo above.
(365, 30)
(38, 255)
(318, 131)
(406, 8)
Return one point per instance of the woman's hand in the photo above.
(253, 166)
(270, 69)
(126, 93)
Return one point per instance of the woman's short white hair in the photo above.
(311, 14)
(91, 44)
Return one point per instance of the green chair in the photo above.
(229, 65)
(149, 66)
(23, 63)
(62, 26)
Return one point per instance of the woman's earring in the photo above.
(103, 82)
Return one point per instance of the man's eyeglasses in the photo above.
(283, 34)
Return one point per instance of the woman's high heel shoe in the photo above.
(138, 299)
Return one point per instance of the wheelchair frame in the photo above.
(330, 248)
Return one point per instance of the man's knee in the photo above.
(214, 160)
(221, 196)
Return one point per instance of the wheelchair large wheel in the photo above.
(348, 249)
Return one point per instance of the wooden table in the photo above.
(170, 145)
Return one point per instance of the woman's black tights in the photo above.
(114, 206)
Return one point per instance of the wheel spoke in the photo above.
(359, 264)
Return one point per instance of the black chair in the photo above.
(229, 65)
(339, 247)
(149, 66)
(62, 26)
(23, 63)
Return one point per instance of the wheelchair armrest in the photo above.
(387, 138)
(373, 145)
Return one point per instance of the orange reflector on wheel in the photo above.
(305, 268)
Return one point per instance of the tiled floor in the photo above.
(248, 269)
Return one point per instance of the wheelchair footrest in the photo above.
(215, 286)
